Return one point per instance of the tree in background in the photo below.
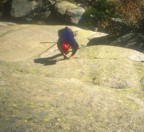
(131, 11)
(98, 13)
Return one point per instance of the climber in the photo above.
(66, 41)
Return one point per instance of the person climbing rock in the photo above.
(66, 41)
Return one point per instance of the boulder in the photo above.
(21, 8)
(40, 14)
(69, 12)
(23, 11)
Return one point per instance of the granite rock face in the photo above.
(100, 89)
(21, 8)
(70, 12)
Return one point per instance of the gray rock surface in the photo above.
(21, 8)
(100, 89)
(34, 39)
(131, 40)
(40, 11)
(70, 12)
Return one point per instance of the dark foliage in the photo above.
(99, 13)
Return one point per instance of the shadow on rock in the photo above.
(47, 61)
(132, 41)
(99, 41)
